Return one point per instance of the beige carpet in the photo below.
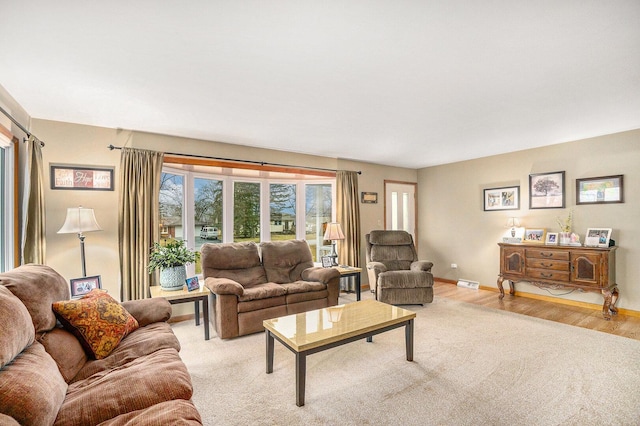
(472, 366)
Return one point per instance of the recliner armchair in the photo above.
(396, 276)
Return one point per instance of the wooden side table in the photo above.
(184, 296)
(351, 271)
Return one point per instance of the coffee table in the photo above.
(315, 331)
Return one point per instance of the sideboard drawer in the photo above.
(556, 265)
(547, 254)
(547, 274)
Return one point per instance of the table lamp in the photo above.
(513, 223)
(333, 233)
(78, 221)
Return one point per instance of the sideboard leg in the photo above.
(610, 298)
(500, 279)
(512, 289)
(607, 304)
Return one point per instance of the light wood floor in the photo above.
(621, 325)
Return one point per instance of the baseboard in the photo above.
(179, 318)
(568, 302)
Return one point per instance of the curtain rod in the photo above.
(28, 133)
(261, 163)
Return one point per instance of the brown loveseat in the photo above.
(47, 378)
(251, 283)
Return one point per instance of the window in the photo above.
(7, 203)
(246, 211)
(172, 200)
(282, 211)
(232, 205)
(318, 212)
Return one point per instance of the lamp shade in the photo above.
(513, 222)
(333, 232)
(79, 220)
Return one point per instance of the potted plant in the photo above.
(171, 259)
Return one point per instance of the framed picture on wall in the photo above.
(72, 177)
(546, 190)
(599, 190)
(505, 198)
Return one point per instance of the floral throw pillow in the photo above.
(97, 320)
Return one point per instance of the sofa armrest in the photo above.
(421, 265)
(147, 311)
(224, 286)
(376, 267)
(320, 274)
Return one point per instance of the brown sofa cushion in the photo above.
(144, 341)
(178, 412)
(37, 286)
(390, 238)
(239, 262)
(262, 291)
(31, 387)
(284, 261)
(405, 279)
(304, 287)
(16, 331)
(66, 351)
(148, 380)
(148, 311)
(97, 320)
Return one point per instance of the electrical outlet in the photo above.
(454, 266)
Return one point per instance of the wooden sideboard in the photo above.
(585, 268)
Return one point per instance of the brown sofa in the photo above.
(46, 377)
(251, 283)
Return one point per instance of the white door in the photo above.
(400, 206)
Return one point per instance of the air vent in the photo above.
(469, 284)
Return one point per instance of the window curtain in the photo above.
(34, 246)
(348, 215)
(138, 220)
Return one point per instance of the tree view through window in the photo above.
(202, 208)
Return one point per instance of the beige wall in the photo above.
(87, 145)
(454, 228)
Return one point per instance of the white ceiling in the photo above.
(405, 83)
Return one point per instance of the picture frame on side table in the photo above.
(192, 284)
(551, 239)
(546, 190)
(326, 262)
(505, 198)
(597, 237)
(534, 235)
(82, 286)
(600, 190)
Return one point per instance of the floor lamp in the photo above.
(333, 233)
(78, 221)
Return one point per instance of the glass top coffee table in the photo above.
(315, 331)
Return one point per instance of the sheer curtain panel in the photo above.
(138, 221)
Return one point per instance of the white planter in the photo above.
(173, 279)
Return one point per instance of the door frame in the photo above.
(415, 205)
